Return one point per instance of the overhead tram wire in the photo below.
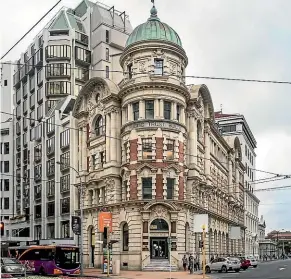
(30, 29)
(106, 136)
(179, 76)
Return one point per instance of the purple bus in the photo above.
(48, 259)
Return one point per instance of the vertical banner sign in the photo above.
(105, 221)
(76, 225)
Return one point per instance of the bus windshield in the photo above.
(67, 257)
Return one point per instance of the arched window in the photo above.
(99, 126)
(159, 225)
(125, 237)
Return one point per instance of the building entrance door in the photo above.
(159, 248)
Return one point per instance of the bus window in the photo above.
(30, 255)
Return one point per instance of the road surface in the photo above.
(267, 270)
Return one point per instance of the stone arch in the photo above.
(159, 224)
(169, 205)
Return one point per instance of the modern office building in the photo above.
(76, 45)
(6, 147)
(231, 126)
(152, 157)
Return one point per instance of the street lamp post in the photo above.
(81, 215)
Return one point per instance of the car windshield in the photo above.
(8, 261)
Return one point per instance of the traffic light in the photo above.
(201, 243)
(2, 228)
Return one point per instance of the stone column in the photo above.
(162, 109)
(84, 147)
(192, 142)
(156, 109)
(113, 139)
(141, 109)
(230, 175)
(108, 139)
(182, 116)
(236, 180)
(207, 152)
(174, 111)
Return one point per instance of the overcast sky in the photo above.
(224, 38)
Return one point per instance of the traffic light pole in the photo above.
(203, 251)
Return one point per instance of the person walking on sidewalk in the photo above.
(185, 262)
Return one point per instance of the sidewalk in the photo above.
(144, 275)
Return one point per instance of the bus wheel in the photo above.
(41, 272)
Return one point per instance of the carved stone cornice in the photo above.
(129, 88)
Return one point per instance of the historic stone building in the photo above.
(151, 154)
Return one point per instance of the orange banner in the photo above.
(105, 220)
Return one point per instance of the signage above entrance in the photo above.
(144, 124)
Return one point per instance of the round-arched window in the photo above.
(159, 225)
(99, 126)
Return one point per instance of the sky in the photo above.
(247, 39)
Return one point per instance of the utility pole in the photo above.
(203, 251)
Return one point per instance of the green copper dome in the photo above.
(154, 29)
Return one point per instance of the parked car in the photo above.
(12, 266)
(253, 261)
(223, 265)
(244, 263)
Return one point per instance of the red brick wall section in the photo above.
(133, 150)
(159, 187)
(133, 187)
(159, 148)
(181, 188)
(181, 152)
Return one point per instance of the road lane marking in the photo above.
(282, 268)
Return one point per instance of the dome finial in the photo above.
(154, 11)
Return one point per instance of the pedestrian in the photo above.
(185, 262)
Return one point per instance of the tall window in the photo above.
(149, 109)
(107, 36)
(99, 126)
(170, 188)
(170, 149)
(147, 149)
(159, 67)
(107, 71)
(178, 112)
(167, 110)
(147, 188)
(125, 237)
(107, 54)
(135, 109)
(129, 70)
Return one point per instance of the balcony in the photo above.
(39, 58)
(82, 56)
(18, 96)
(65, 139)
(58, 70)
(58, 88)
(50, 146)
(57, 52)
(23, 72)
(82, 74)
(16, 79)
(81, 38)
(39, 77)
(49, 104)
(30, 63)
(50, 167)
(39, 95)
(50, 186)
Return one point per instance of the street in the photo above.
(267, 270)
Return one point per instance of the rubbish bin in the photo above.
(116, 267)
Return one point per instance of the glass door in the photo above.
(159, 248)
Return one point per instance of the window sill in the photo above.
(160, 77)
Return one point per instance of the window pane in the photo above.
(159, 65)
(147, 188)
(149, 109)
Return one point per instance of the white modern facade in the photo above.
(235, 125)
(153, 158)
(75, 46)
(6, 147)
